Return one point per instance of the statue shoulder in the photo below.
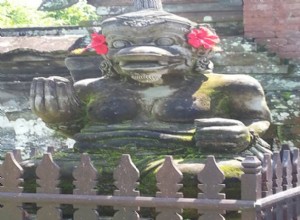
(233, 83)
(89, 86)
(242, 94)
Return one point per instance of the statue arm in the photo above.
(258, 127)
(55, 101)
(250, 107)
(244, 114)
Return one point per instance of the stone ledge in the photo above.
(38, 43)
(278, 83)
(43, 31)
(237, 44)
(255, 69)
(244, 59)
(174, 8)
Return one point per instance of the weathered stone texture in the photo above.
(42, 44)
(244, 59)
(42, 31)
(22, 59)
(281, 82)
(275, 24)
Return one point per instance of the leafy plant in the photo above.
(77, 14)
(14, 15)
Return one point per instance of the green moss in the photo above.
(231, 171)
(62, 154)
(223, 104)
(66, 185)
(30, 185)
(210, 86)
(89, 100)
(286, 95)
(280, 133)
(147, 185)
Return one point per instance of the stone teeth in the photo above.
(144, 78)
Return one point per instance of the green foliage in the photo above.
(14, 15)
(79, 13)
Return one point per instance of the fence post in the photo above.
(85, 175)
(211, 179)
(266, 175)
(126, 176)
(296, 168)
(48, 179)
(168, 182)
(251, 184)
(296, 181)
(10, 179)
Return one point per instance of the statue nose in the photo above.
(144, 53)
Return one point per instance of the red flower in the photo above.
(98, 44)
(202, 37)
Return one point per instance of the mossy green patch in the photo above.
(286, 95)
(231, 171)
(211, 85)
(219, 98)
(222, 106)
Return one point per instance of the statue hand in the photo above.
(221, 135)
(54, 100)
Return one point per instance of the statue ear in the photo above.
(203, 65)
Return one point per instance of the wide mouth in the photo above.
(145, 58)
(145, 64)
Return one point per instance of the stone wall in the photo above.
(27, 53)
(275, 24)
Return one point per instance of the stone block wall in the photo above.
(26, 53)
(275, 24)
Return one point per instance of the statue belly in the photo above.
(113, 110)
(181, 110)
(121, 121)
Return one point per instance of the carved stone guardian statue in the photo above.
(158, 91)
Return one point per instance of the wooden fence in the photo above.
(269, 190)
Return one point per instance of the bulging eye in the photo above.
(164, 41)
(120, 43)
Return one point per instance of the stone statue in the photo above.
(157, 90)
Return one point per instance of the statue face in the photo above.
(148, 52)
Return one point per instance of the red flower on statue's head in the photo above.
(98, 44)
(203, 37)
